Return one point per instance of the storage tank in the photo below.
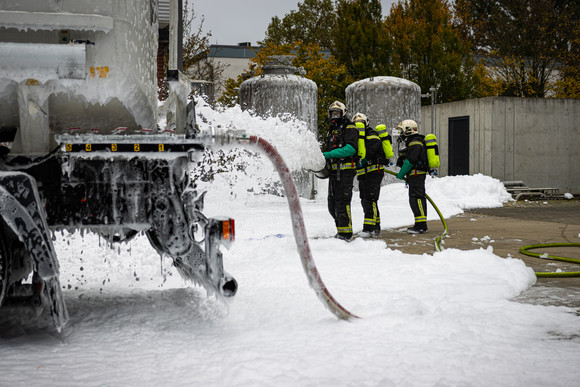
(76, 64)
(279, 91)
(385, 100)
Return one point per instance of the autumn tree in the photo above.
(311, 23)
(360, 42)
(525, 41)
(430, 51)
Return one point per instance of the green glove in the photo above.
(338, 153)
(407, 166)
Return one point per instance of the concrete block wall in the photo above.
(533, 140)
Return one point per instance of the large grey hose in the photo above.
(314, 279)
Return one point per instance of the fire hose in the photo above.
(299, 229)
(314, 279)
(445, 231)
(525, 250)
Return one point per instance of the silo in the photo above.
(385, 100)
(279, 91)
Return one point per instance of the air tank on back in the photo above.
(385, 100)
(281, 92)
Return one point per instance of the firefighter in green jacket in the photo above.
(414, 169)
(340, 150)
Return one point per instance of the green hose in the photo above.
(444, 234)
(524, 250)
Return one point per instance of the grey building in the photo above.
(234, 59)
(534, 140)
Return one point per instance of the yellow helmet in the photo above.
(408, 128)
(336, 106)
(359, 117)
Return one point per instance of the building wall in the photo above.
(234, 59)
(534, 140)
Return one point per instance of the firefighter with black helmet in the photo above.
(414, 169)
(340, 150)
(370, 173)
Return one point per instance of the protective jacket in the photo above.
(374, 154)
(341, 150)
(413, 159)
(342, 145)
(414, 165)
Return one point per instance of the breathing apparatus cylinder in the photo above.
(385, 140)
(432, 151)
(362, 150)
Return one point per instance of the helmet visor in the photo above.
(335, 114)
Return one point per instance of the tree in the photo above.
(360, 42)
(430, 51)
(196, 63)
(195, 52)
(312, 23)
(526, 40)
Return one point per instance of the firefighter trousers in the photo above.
(370, 189)
(339, 198)
(417, 198)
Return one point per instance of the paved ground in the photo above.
(507, 229)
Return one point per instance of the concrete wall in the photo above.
(534, 140)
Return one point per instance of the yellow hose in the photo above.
(445, 231)
(524, 250)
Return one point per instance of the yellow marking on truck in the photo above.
(114, 147)
(69, 147)
(161, 147)
(101, 72)
(88, 147)
(136, 147)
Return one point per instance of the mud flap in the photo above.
(22, 212)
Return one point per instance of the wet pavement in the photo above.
(506, 229)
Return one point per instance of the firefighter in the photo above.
(414, 169)
(370, 174)
(340, 150)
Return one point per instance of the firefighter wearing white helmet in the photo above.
(340, 150)
(370, 174)
(414, 169)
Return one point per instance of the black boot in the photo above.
(418, 228)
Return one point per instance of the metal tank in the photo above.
(385, 100)
(281, 92)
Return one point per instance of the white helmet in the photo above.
(408, 128)
(359, 117)
(336, 106)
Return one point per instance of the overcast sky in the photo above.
(232, 22)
